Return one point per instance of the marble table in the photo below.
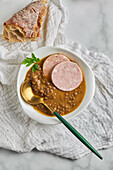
(91, 24)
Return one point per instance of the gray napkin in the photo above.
(20, 133)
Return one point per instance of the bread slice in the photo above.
(25, 25)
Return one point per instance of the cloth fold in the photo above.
(20, 133)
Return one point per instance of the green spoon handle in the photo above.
(77, 134)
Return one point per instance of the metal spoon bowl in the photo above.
(29, 97)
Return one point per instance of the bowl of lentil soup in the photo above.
(66, 103)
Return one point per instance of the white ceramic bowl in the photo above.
(90, 85)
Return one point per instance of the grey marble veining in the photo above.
(44, 161)
(91, 24)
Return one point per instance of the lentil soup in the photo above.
(63, 102)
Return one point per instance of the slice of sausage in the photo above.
(66, 76)
(51, 62)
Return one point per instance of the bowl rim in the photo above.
(43, 119)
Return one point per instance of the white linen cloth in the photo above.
(20, 133)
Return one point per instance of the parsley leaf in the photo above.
(27, 65)
(37, 60)
(28, 61)
(33, 68)
(36, 66)
(33, 56)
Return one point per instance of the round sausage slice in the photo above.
(66, 76)
(52, 61)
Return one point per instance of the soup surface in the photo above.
(63, 102)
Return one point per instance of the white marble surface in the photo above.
(90, 23)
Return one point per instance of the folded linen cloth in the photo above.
(20, 133)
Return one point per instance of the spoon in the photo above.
(30, 98)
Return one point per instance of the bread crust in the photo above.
(25, 24)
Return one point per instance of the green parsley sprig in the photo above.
(28, 61)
